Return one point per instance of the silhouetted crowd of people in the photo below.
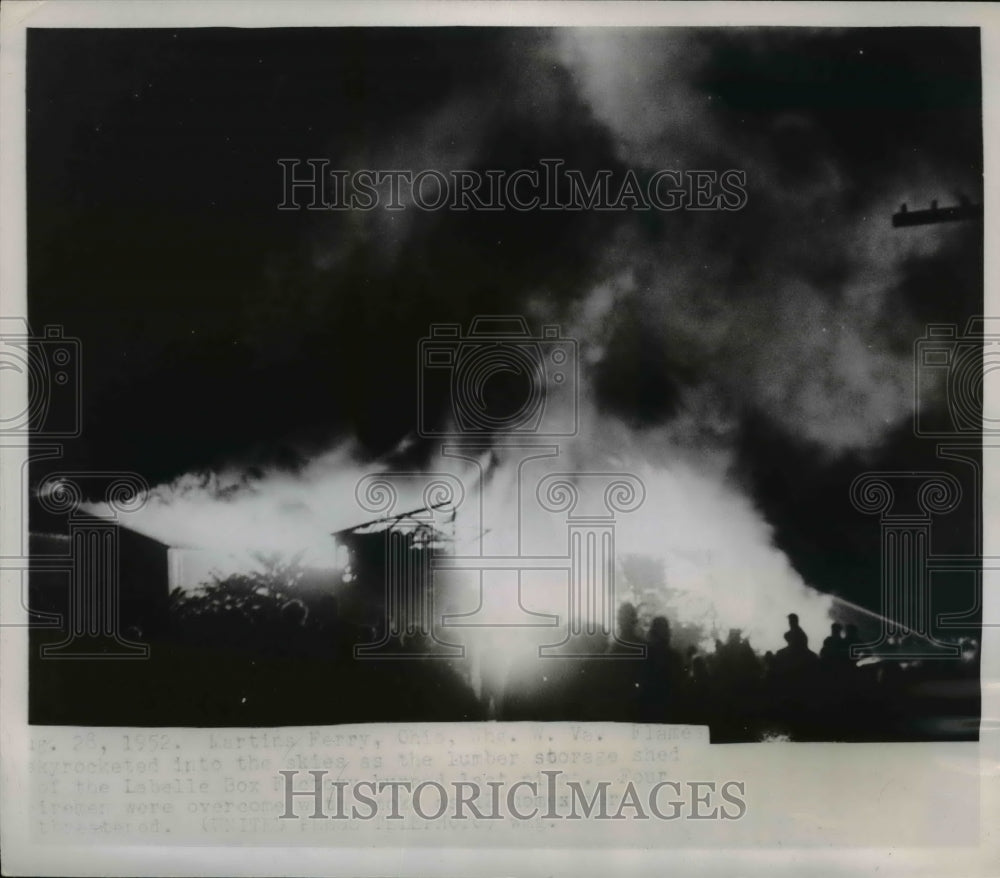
(237, 654)
(792, 693)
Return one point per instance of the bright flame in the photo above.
(720, 568)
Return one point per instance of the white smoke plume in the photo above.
(802, 335)
(787, 311)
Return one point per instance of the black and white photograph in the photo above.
(342, 309)
(503, 375)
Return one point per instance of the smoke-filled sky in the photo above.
(763, 357)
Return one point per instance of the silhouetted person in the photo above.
(795, 686)
(838, 706)
(605, 687)
(833, 646)
(737, 685)
(794, 656)
(796, 637)
(662, 675)
(735, 661)
(628, 624)
(659, 633)
(741, 652)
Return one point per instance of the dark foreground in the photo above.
(289, 665)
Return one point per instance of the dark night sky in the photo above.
(217, 330)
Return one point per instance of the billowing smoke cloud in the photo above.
(793, 309)
(716, 550)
